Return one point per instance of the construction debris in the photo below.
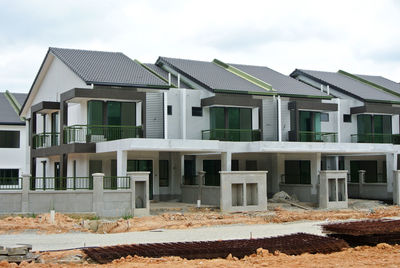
(17, 254)
(367, 232)
(294, 244)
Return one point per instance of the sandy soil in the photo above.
(40, 223)
(382, 255)
(184, 220)
(194, 220)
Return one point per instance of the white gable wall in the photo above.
(58, 79)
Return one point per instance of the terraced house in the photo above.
(101, 112)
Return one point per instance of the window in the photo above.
(374, 128)
(370, 167)
(297, 172)
(9, 176)
(197, 111)
(9, 139)
(347, 118)
(164, 173)
(212, 169)
(190, 172)
(251, 165)
(324, 117)
(235, 165)
(169, 109)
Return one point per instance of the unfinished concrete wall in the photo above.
(210, 195)
(333, 189)
(243, 190)
(107, 203)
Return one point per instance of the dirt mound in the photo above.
(40, 223)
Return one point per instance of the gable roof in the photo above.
(381, 81)
(284, 85)
(107, 68)
(8, 115)
(348, 85)
(164, 74)
(218, 76)
(212, 77)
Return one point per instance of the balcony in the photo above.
(309, 136)
(231, 134)
(46, 139)
(87, 133)
(375, 138)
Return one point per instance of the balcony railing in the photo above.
(116, 183)
(89, 133)
(60, 183)
(375, 138)
(309, 136)
(46, 139)
(231, 134)
(10, 183)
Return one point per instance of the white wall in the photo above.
(15, 158)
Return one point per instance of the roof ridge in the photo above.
(87, 50)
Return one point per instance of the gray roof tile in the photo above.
(107, 68)
(8, 116)
(381, 81)
(164, 74)
(281, 83)
(211, 76)
(351, 85)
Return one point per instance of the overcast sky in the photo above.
(356, 36)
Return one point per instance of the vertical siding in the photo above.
(285, 119)
(270, 116)
(154, 115)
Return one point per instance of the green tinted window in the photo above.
(212, 169)
(297, 172)
(128, 114)
(9, 139)
(245, 118)
(113, 113)
(217, 118)
(95, 113)
(233, 118)
(164, 173)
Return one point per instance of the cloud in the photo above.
(361, 36)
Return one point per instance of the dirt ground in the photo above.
(194, 219)
(382, 255)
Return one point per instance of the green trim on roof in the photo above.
(244, 75)
(244, 92)
(362, 80)
(382, 101)
(153, 72)
(13, 102)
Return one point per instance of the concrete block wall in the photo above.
(105, 203)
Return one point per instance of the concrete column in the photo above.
(361, 180)
(98, 204)
(122, 162)
(338, 121)
(183, 113)
(201, 175)
(279, 119)
(226, 161)
(25, 193)
(396, 188)
(315, 169)
(391, 165)
(176, 174)
(165, 95)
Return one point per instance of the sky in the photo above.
(361, 37)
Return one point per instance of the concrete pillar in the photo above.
(122, 162)
(98, 189)
(279, 119)
(25, 193)
(396, 187)
(176, 174)
(338, 121)
(201, 176)
(315, 169)
(277, 169)
(226, 161)
(391, 165)
(333, 189)
(165, 95)
(361, 180)
(139, 193)
(183, 113)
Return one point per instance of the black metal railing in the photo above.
(116, 183)
(375, 138)
(11, 183)
(231, 134)
(61, 183)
